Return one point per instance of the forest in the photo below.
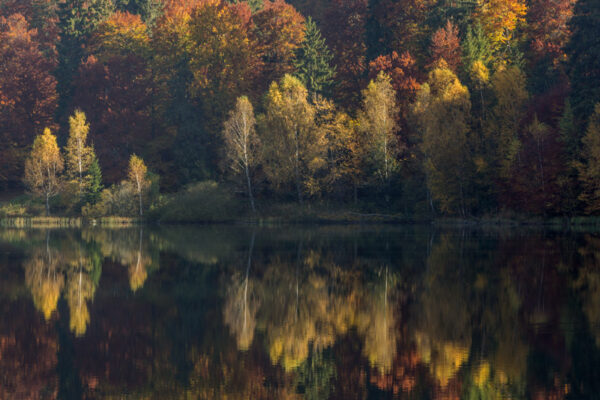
(184, 110)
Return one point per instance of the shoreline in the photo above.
(347, 218)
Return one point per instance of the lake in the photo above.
(239, 312)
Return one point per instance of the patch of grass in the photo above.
(40, 222)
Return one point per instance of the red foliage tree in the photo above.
(27, 94)
(344, 31)
(278, 30)
(404, 73)
(405, 80)
(41, 15)
(446, 44)
(547, 26)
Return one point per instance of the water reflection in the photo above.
(339, 313)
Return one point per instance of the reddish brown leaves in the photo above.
(445, 44)
(27, 94)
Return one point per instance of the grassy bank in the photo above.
(291, 214)
(209, 202)
(67, 222)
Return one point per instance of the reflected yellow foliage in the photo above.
(303, 308)
(240, 310)
(44, 280)
(376, 321)
(137, 271)
(79, 290)
(444, 358)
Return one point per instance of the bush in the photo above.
(118, 200)
(68, 199)
(200, 202)
(12, 210)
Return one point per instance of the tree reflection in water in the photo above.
(268, 313)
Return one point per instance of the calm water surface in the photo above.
(223, 312)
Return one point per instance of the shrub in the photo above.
(200, 202)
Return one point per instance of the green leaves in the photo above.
(313, 61)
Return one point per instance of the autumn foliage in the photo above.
(482, 104)
(28, 96)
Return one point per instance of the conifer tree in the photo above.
(94, 181)
(476, 47)
(313, 61)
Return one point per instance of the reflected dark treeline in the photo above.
(327, 313)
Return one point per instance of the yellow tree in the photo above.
(500, 18)
(43, 167)
(480, 76)
(138, 178)
(442, 111)
(345, 150)
(293, 149)
(79, 155)
(241, 141)
(378, 121)
(589, 168)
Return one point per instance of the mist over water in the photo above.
(242, 312)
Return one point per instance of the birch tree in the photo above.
(241, 141)
(79, 155)
(378, 120)
(138, 178)
(293, 147)
(442, 110)
(43, 168)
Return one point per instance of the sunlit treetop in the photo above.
(500, 18)
(123, 33)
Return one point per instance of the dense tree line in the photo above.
(459, 108)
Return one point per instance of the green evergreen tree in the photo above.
(94, 176)
(476, 47)
(313, 61)
(584, 59)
